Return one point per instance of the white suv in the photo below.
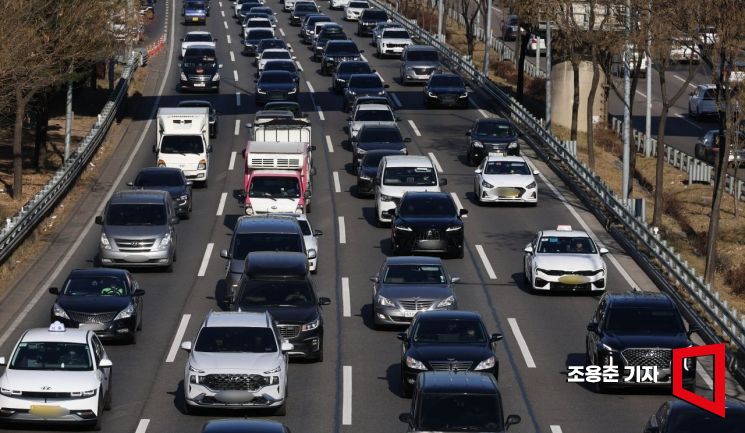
(56, 375)
(239, 361)
(398, 174)
(393, 41)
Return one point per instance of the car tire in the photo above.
(139, 325)
(190, 410)
(406, 389)
(281, 410)
(403, 81)
(133, 337)
(169, 268)
(307, 208)
(97, 425)
(107, 400)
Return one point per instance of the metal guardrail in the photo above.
(703, 303)
(18, 227)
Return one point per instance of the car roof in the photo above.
(266, 224)
(380, 127)
(139, 196)
(449, 315)
(198, 32)
(147, 170)
(69, 335)
(413, 260)
(427, 194)
(565, 233)
(234, 318)
(639, 299)
(242, 426)
(98, 272)
(510, 158)
(374, 107)
(408, 161)
(276, 50)
(498, 120)
(461, 382)
(276, 264)
(421, 48)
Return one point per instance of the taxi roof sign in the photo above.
(57, 326)
(564, 228)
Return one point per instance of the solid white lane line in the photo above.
(238, 99)
(329, 144)
(345, 297)
(225, 23)
(346, 408)
(342, 231)
(396, 100)
(232, 57)
(228, 39)
(282, 32)
(231, 164)
(521, 342)
(310, 87)
(237, 129)
(485, 261)
(235, 75)
(683, 80)
(484, 113)
(205, 259)
(142, 425)
(413, 126)
(337, 184)
(457, 202)
(223, 13)
(299, 66)
(556, 429)
(704, 375)
(221, 205)
(180, 331)
(435, 162)
(320, 113)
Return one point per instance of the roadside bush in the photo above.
(607, 140)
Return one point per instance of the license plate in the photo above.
(92, 326)
(408, 313)
(195, 19)
(47, 411)
(509, 193)
(198, 84)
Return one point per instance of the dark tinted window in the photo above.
(381, 135)
(358, 5)
(566, 245)
(414, 274)
(276, 55)
(133, 214)
(374, 116)
(422, 56)
(274, 187)
(260, 34)
(275, 77)
(375, 15)
(347, 48)
(409, 176)
(396, 34)
(446, 81)
(277, 65)
(506, 167)
(236, 339)
(643, 320)
(304, 227)
(250, 242)
(95, 286)
(704, 422)
(430, 206)
(262, 10)
(447, 412)
(195, 5)
(494, 129)
(52, 356)
(449, 331)
(198, 37)
(277, 293)
(258, 23)
(271, 43)
(354, 68)
(365, 82)
(305, 8)
(181, 144)
(199, 62)
(159, 178)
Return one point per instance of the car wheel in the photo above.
(406, 389)
(169, 268)
(307, 208)
(459, 253)
(281, 410)
(107, 402)
(99, 415)
(697, 152)
(204, 184)
(139, 325)
(190, 410)
(133, 337)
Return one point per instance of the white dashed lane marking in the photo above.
(556, 429)
(205, 259)
(346, 408)
(320, 113)
(235, 75)
(222, 13)
(457, 202)
(282, 32)
(221, 204)
(521, 342)
(237, 129)
(228, 39)
(329, 144)
(232, 57)
(142, 425)
(413, 126)
(178, 337)
(345, 297)
(486, 263)
(435, 162)
(225, 23)
(337, 184)
(342, 231)
(299, 66)
(231, 164)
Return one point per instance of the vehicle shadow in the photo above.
(220, 297)
(393, 376)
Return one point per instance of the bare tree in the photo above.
(528, 12)
(469, 10)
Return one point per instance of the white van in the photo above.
(398, 174)
(183, 141)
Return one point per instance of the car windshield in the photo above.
(305, 8)
(274, 187)
(506, 167)
(643, 320)
(49, 355)
(104, 285)
(237, 339)
(246, 7)
(275, 78)
(365, 82)
(258, 34)
(277, 293)
(181, 144)
(457, 412)
(422, 56)
(373, 116)
(159, 178)
(262, 10)
(429, 206)
(199, 62)
(276, 55)
(446, 81)
(375, 15)
(410, 176)
(704, 422)
(250, 242)
(382, 135)
(329, 30)
(396, 34)
(280, 66)
(363, 5)
(354, 68)
(258, 23)
(494, 129)
(449, 331)
(343, 48)
(566, 245)
(710, 94)
(414, 274)
(194, 5)
(198, 37)
(135, 214)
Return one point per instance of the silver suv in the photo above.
(138, 230)
(418, 63)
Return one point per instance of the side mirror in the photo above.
(443, 181)
(307, 194)
(54, 290)
(603, 251)
(186, 345)
(294, 58)
(209, 149)
(99, 220)
(130, 184)
(593, 327)
(375, 279)
(401, 336)
(477, 171)
(224, 254)
(496, 337)
(528, 249)
(181, 39)
(463, 212)
(536, 172)
(693, 328)
(2, 361)
(317, 233)
(407, 140)
(405, 417)
(312, 254)
(105, 363)
(324, 301)
(175, 220)
(454, 279)
(469, 89)
(219, 66)
(287, 346)
(249, 125)
(386, 86)
(512, 420)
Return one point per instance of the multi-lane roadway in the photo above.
(356, 388)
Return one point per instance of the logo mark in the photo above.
(716, 406)
(46, 388)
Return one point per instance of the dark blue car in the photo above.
(275, 86)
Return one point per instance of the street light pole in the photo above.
(626, 108)
(440, 9)
(648, 74)
(487, 39)
(548, 74)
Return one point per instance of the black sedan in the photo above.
(276, 86)
(677, 416)
(253, 39)
(244, 426)
(369, 19)
(337, 51)
(200, 70)
(427, 222)
(169, 179)
(362, 85)
(206, 104)
(446, 340)
(345, 70)
(377, 137)
(491, 135)
(283, 65)
(368, 170)
(300, 11)
(106, 301)
(266, 44)
(446, 90)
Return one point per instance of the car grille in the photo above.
(415, 304)
(242, 382)
(291, 163)
(289, 331)
(429, 235)
(390, 45)
(560, 286)
(44, 394)
(498, 147)
(648, 357)
(509, 192)
(98, 318)
(134, 245)
(560, 273)
(450, 365)
(423, 71)
(199, 78)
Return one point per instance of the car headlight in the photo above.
(312, 254)
(258, 90)
(486, 184)
(531, 185)
(165, 242)
(5, 391)
(351, 92)
(414, 364)
(299, 210)
(216, 77)
(276, 369)
(446, 302)
(311, 325)
(403, 228)
(59, 311)
(89, 393)
(430, 94)
(292, 91)
(606, 347)
(126, 313)
(381, 93)
(383, 301)
(384, 197)
(184, 197)
(477, 144)
(486, 364)
(105, 244)
(453, 228)
(195, 370)
(183, 77)
(512, 145)
(161, 163)
(202, 164)
(365, 177)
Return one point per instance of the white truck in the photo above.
(281, 126)
(183, 141)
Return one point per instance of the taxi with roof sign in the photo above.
(501, 178)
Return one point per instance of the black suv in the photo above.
(677, 416)
(278, 282)
(491, 135)
(336, 52)
(446, 340)
(300, 10)
(169, 179)
(369, 19)
(200, 70)
(638, 329)
(446, 401)
(427, 222)
(345, 70)
(446, 90)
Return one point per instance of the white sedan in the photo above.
(505, 179)
(273, 54)
(565, 260)
(196, 38)
(353, 10)
(310, 237)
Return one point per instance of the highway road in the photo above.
(356, 388)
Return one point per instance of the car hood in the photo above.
(398, 191)
(199, 70)
(93, 304)
(212, 362)
(568, 262)
(135, 232)
(288, 315)
(423, 64)
(35, 380)
(373, 145)
(268, 205)
(276, 87)
(421, 223)
(444, 89)
(395, 40)
(425, 291)
(516, 180)
(175, 191)
(622, 341)
(443, 352)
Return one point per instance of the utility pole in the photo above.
(548, 74)
(626, 108)
(648, 74)
(487, 39)
(440, 10)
